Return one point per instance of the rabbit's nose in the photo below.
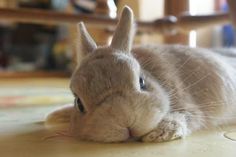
(130, 132)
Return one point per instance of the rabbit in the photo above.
(150, 93)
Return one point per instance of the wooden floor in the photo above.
(22, 134)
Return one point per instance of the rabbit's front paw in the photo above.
(167, 130)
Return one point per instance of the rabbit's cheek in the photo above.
(104, 133)
(96, 128)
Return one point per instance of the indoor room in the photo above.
(102, 78)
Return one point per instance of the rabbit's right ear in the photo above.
(124, 33)
(86, 43)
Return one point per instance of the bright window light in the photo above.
(192, 38)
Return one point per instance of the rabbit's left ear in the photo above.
(86, 43)
(124, 33)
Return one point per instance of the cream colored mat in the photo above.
(22, 134)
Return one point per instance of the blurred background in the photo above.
(38, 45)
(30, 50)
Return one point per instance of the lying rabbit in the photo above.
(151, 93)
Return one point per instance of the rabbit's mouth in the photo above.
(132, 137)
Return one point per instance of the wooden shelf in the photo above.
(167, 24)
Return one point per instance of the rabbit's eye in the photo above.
(79, 106)
(142, 83)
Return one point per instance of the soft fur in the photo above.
(186, 89)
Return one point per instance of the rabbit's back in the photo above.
(194, 76)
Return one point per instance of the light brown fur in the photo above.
(186, 89)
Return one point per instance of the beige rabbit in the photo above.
(151, 93)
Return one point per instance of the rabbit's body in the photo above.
(199, 81)
(153, 93)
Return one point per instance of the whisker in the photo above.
(58, 134)
(191, 85)
(179, 68)
(213, 117)
(203, 105)
(197, 81)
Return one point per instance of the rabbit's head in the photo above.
(115, 99)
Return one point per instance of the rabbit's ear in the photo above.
(86, 43)
(124, 33)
